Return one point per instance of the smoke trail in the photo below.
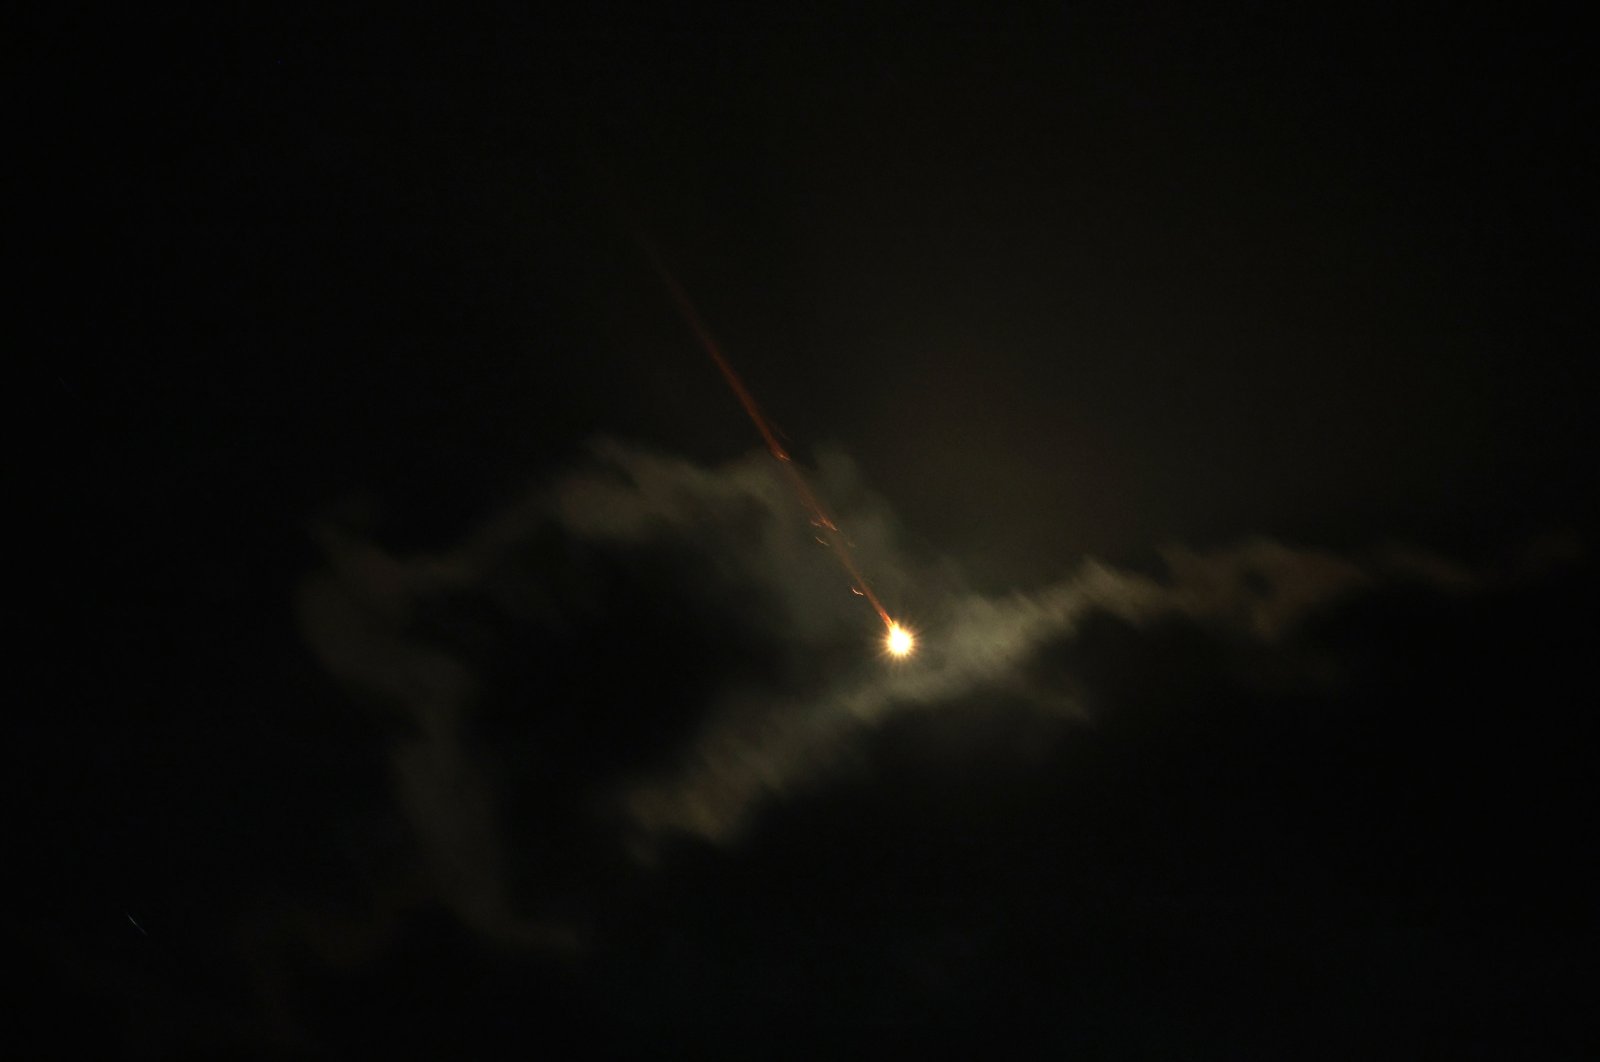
(820, 517)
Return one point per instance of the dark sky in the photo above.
(440, 667)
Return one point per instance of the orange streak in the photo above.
(808, 497)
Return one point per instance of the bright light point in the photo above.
(899, 642)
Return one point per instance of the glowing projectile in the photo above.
(899, 641)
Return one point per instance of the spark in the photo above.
(899, 642)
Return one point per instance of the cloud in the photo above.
(1325, 763)
(753, 748)
(744, 554)
(358, 616)
(744, 520)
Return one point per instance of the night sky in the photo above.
(439, 666)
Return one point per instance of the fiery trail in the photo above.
(819, 513)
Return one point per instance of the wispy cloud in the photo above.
(357, 616)
(742, 525)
